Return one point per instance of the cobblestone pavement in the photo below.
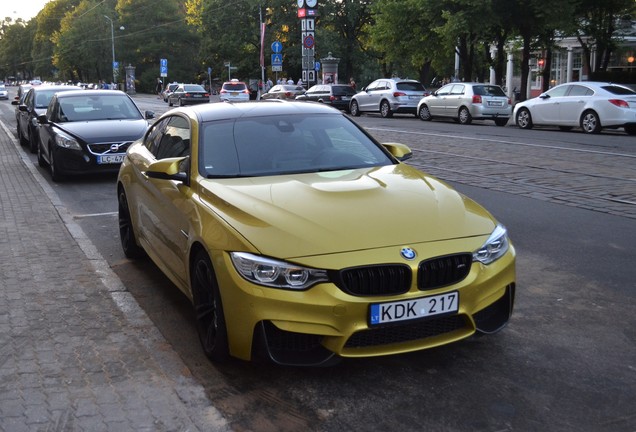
(76, 351)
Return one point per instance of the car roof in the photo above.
(232, 110)
(39, 88)
(91, 93)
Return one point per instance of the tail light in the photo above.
(287, 94)
(333, 98)
(398, 94)
(476, 99)
(246, 91)
(223, 91)
(509, 101)
(619, 103)
(187, 95)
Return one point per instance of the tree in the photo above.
(596, 24)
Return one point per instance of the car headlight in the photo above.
(66, 141)
(494, 248)
(276, 274)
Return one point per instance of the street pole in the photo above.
(262, 87)
(112, 40)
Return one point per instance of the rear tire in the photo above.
(464, 116)
(208, 308)
(385, 110)
(590, 123)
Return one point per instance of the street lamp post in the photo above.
(112, 39)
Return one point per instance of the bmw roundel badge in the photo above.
(408, 253)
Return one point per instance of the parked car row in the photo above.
(76, 131)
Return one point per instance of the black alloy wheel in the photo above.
(208, 309)
(126, 231)
(56, 176)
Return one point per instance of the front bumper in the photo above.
(317, 325)
(69, 161)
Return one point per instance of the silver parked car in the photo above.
(466, 102)
(388, 96)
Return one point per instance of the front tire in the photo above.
(354, 109)
(56, 176)
(590, 123)
(385, 110)
(630, 130)
(424, 114)
(524, 119)
(464, 116)
(208, 309)
(126, 231)
(33, 141)
(41, 161)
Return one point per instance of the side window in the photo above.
(28, 99)
(579, 90)
(373, 86)
(457, 89)
(559, 91)
(444, 90)
(174, 140)
(153, 136)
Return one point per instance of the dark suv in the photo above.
(336, 95)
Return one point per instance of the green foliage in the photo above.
(71, 39)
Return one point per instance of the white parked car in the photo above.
(591, 106)
(465, 102)
(4, 93)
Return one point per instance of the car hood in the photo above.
(322, 213)
(106, 130)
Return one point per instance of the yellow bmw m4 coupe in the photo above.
(300, 239)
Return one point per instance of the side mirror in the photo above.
(169, 169)
(544, 96)
(399, 151)
(42, 119)
(149, 115)
(15, 102)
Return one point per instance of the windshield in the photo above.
(97, 107)
(619, 90)
(271, 145)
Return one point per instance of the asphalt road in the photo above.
(567, 360)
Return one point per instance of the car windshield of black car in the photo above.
(98, 107)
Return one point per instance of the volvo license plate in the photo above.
(382, 313)
(110, 159)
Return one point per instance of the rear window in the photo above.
(487, 90)
(194, 88)
(619, 90)
(234, 86)
(410, 86)
(343, 90)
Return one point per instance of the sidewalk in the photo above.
(76, 351)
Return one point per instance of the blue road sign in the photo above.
(115, 65)
(317, 66)
(277, 47)
(164, 63)
(277, 59)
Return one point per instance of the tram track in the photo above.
(595, 179)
